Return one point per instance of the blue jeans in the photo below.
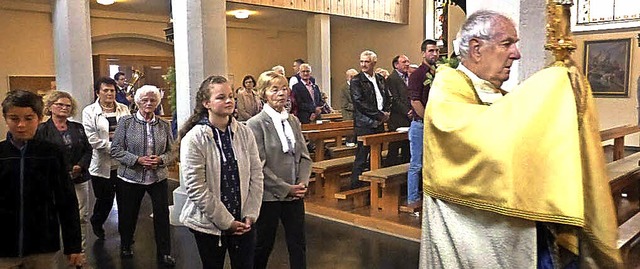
(414, 175)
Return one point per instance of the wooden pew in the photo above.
(624, 180)
(327, 125)
(388, 180)
(331, 116)
(319, 136)
(618, 134)
(375, 142)
(328, 178)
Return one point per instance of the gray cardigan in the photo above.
(130, 142)
(200, 166)
(276, 164)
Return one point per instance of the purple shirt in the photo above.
(417, 89)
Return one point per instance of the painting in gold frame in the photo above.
(606, 65)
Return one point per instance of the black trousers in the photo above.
(212, 249)
(360, 164)
(129, 196)
(291, 213)
(104, 190)
(398, 153)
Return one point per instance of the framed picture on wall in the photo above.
(606, 65)
(40, 85)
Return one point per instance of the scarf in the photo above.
(283, 128)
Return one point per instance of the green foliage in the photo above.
(170, 79)
(451, 62)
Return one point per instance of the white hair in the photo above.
(146, 89)
(278, 69)
(305, 65)
(372, 55)
(479, 25)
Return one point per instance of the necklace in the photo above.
(113, 108)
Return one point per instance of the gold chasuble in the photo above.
(534, 154)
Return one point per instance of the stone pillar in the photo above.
(200, 49)
(319, 50)
(530, 19)
(72, 49)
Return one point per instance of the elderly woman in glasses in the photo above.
(69, 136)
(142, 144)
(286, 166)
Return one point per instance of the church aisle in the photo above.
(329, 245)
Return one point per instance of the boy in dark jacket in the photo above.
(37, 196)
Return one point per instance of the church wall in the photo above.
(254, 50)
(26, 49)
(615, 111)
(349, 37)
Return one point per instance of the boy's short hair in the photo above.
(22, 98)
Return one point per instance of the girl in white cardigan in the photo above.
(222, 174)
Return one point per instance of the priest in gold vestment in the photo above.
(512, 180)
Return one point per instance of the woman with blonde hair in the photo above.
(69, 136)
(222, 174)
(286, 168)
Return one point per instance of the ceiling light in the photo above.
(106, 2)
(241, 13)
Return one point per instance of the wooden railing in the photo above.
(618, 134)
(393, 11)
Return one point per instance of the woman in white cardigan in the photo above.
(100, 120)
(286, 168)
(222, 174)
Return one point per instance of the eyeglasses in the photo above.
(62, 105)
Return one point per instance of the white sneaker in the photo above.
(351, 145)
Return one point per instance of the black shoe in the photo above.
(126, 252)
(98, 231)
(167, 261)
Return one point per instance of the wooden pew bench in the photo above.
(327, 125)
(341, 151)
(624, 175)
(319, 136)
(329, 175)
(334, 117)
(388, 181)
(357, 197)
(376, 143)
(618, 134)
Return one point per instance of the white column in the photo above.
(72, 49)
(319, 50)
(200, 49)
(530, 19)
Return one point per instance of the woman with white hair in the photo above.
(142, 144)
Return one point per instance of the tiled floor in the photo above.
(329, 245)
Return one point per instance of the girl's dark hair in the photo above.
(200, 111)
(247, 77)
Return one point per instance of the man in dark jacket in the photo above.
(37, 196)
(397, 83)
(307, 96)
(371, 103)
